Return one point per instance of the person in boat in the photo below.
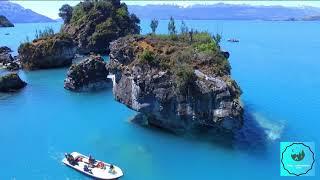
(71, 159)
(79, 159)
(86, 169)
(111, 170)
(91, 160)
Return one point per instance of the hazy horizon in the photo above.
(52, 7)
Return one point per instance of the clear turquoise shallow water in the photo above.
(275, 63)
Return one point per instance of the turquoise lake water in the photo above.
(275, 63)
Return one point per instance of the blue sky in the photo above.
(51, 8)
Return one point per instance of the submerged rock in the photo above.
(12, 66)
(5, 49)
(174, 85)
(4, 22)
(89, 74)
(11, 82)
(48, 52)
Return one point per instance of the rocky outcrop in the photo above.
(6, 60)
(48, 52)
(12, 66)
(94, 24)
(175, 86)
(5, 55)
(5, 49)
(11, 82)
(4, 22)
(90, 74)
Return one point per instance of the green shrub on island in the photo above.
(181, 56)
(185, 78)
(94, 24)
(217, 38)
(147, 56)
(203, 47)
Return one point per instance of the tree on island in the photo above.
(154, 24)
(65, 12)
(191, 35)
(217, 38)
(172, 27)
(184, 28)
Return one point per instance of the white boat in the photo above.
(96, 169)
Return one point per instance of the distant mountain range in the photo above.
(223, 11)
(18, 14)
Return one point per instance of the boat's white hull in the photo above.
(97, 173)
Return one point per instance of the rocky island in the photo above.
(176, 82)
(90, 74)
(4, 22)
(6, 59)
(48, 51)
(94, 24)
(11, 82)
(88, 27)
(5, 55)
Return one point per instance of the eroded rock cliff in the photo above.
(176, 84)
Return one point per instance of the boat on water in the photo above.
(233, 40)
(91, 167)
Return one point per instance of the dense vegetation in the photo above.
(94, 24)
(182, 53)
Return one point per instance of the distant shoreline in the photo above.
(146, 19)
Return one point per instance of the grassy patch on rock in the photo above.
(180, 56)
